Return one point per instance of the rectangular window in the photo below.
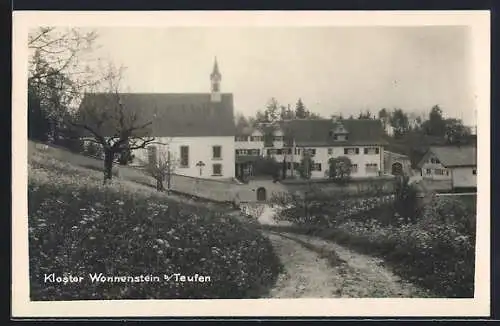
(217, 169)
(438, 172)
(255, 138)
(434, 160)
(351, 151)
(152, 155)
(288, 165)
(330, 151)
(297, 151)
(371, 150)
(316, 167)
(311, 151)
(287, 151)
(278, 138)
(217, 152)
(428, 171)
(184, 157)
(279, 151)
(354, 168)
(241, 138)
(371, 167)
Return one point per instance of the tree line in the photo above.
(274, 112)
(396, 122)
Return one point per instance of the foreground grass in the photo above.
(79, 227)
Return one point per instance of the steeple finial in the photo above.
(215, 71)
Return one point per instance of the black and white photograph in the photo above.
(251, 156)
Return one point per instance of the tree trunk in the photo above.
(159, 184)
(108, 165)
(169, 177)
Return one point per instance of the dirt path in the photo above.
(316, 268)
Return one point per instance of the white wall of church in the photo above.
(199, 149)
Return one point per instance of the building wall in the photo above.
(323, 156)
(464, 177)
(200, 149)
(429, 171)
(390, 158)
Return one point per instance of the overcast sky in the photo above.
(333, 69)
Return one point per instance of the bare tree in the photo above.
(162, 167)
(56, 51)
(59, 68)
(111, 124)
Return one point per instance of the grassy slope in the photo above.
(78, 226)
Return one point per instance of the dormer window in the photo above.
(338, 132)
(340, 137)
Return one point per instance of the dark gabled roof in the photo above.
(455, 156)
(317, 132)
(173, 115)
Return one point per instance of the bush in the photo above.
(339, 169)
(79, 226)
(437, 251)
(406, 198)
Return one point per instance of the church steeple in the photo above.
(215, 78)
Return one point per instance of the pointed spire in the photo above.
(215, 71)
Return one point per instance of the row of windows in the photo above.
(338, 137)
(433, 160)
(311, 151)
(444, 172)
(247, 152)
(437, 172)
(369, 167)
(184, 156)
(256, 138)
(355, 151)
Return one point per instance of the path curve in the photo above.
(317, 268)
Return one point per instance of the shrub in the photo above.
(339, 169)
(267, 166)
(437, 251)
(79, 226)
(406, 198)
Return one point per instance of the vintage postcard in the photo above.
(171, 164)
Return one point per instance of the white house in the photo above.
(453, 163)
(195, 130)
(361, 140)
